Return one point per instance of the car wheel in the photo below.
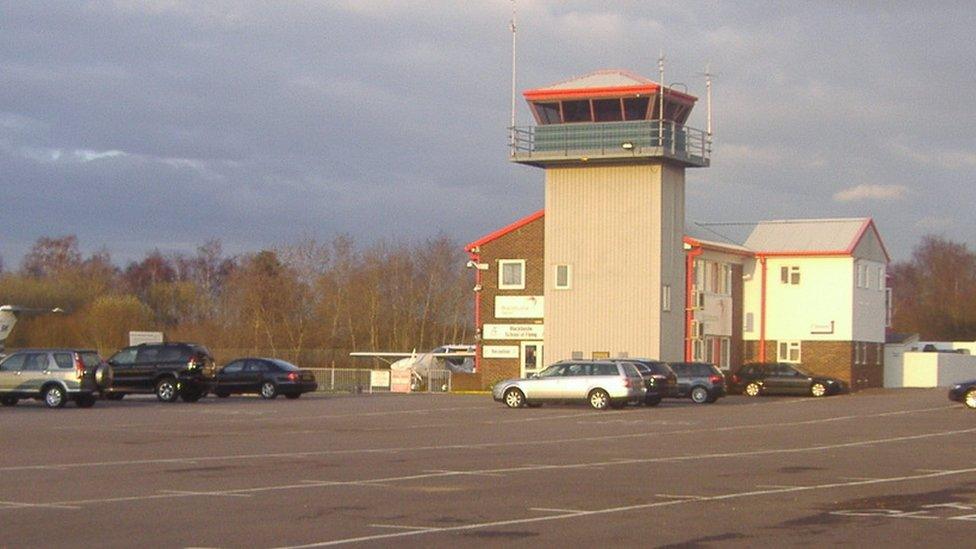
(818, 389)
(9, 401)
(752, 389)
(85, 401)
(699, 395)
(166, 390)
(222, 394)
(514, 398)
(54, 396)
(268, 390)
(599, 399)
(293, 396)
(970, 399)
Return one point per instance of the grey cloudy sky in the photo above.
(141, 125)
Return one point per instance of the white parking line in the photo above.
(677, 496)
(21, 505)
(401, 526)
(550, 510)
(307, 484)
(476, 446)
(612, 510)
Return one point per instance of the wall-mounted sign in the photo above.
(822, 328)
(379, 378)
(400, 381)
(500, 351)
(519, 306)
(138, 338)
(511, 331)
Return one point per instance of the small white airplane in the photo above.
(456, 358)
(9, 315)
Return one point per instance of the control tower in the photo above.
(614, 147)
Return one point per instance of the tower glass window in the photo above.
(607, 110)
(635, 108)
(548, 112)
(577, 111)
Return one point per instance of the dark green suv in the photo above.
(170, 370)
(53, 376)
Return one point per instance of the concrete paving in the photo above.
(885, 467)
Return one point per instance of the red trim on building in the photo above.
(504, 230)
(689, 304)
(869, 224)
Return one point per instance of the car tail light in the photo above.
(192, 363)
(292, 376)
(715, 379)
(79, 366)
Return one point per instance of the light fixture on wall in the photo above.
(627, 145)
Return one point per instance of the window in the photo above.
(748, 323)
(64, 360)
(789, 274)
(576, 111)
(607, 110)
(726, 353)
(14, 363)
(234, 367)
(548, 112)
(887, 307)
(862, 275)
(881, 279)
(635, 108)
(125, 357)
(878, 353)
(789, 351)
(36, 362)
(858, 353)
(511, 274)
(564, 278)
(666, 298)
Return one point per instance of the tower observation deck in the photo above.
(609, 116)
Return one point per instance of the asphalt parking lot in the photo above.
(886, 467)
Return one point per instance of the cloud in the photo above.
(934, 223)
(871, 192)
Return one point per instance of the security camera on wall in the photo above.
(480, 266)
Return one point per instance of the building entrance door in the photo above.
(531, 357)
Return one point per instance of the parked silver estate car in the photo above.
(53, 376)
(601, 383)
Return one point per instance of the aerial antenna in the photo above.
(660, 102)
(511, 136)
(708, 74)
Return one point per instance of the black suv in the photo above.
(702, 382)
(169, 370)
(659, 379)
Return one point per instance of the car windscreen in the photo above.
(284, 365)
(90, 360)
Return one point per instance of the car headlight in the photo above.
(957, 387)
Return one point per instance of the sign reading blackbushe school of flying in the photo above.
(519, 306)
(511, 331)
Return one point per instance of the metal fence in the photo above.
(644, 137)
(359, 380)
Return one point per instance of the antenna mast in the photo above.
(511, 136)
(708, 104)
(660, 102)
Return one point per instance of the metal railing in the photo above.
(359, 380)
(641, 138)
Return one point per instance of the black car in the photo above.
(701, 382)
(964, 392)
(170, 370)
(784, 379)
(659, 379)
(267, 377)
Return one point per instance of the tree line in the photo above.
(311, 302)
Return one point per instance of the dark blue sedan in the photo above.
(268, 377)
(964, 392)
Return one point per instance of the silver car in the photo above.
(601, 383)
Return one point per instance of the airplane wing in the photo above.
(367, 354)
(455, 354)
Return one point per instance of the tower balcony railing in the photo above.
(610, 141)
